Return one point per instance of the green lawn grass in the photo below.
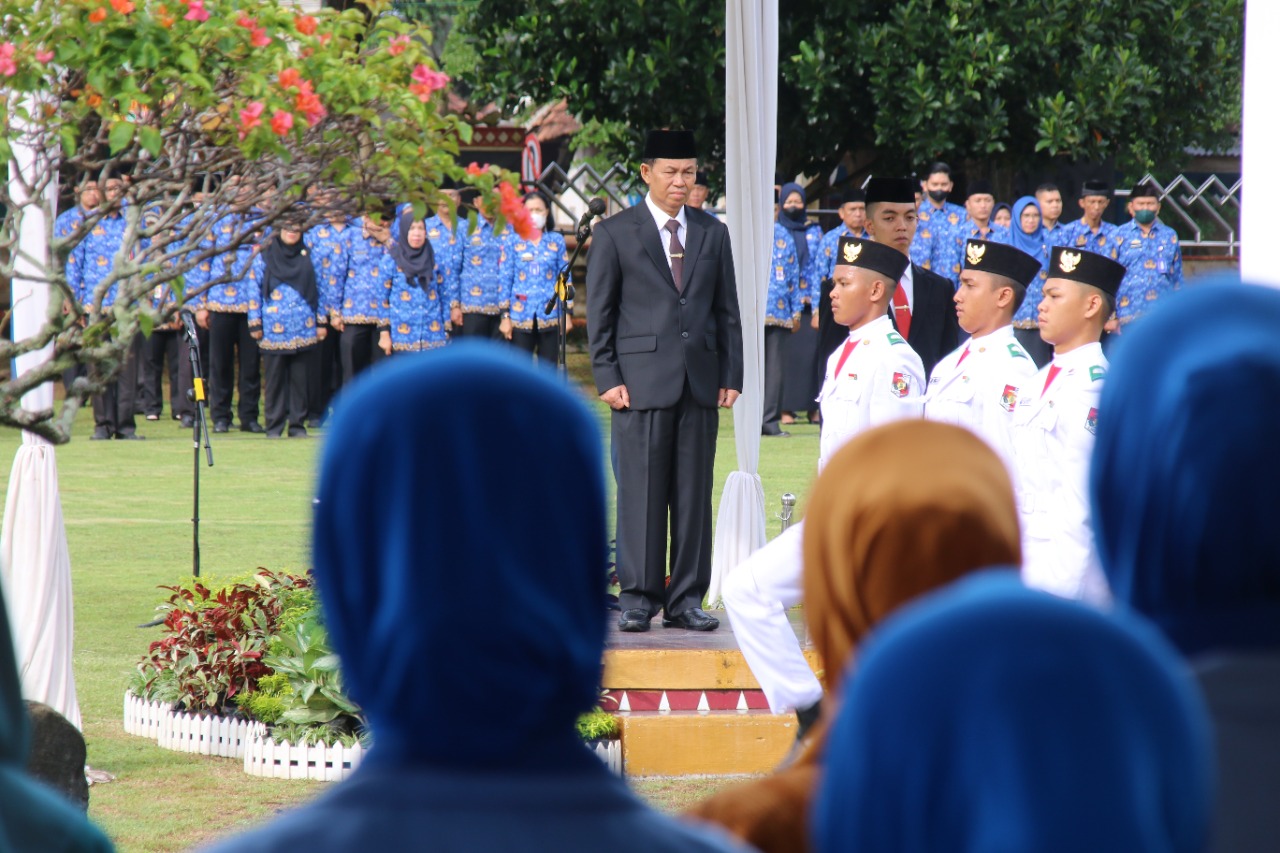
(128, 514)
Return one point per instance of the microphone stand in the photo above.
(564, 294)
(199, 430)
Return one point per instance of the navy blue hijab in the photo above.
(798, 229)
(990, 718)
(466, 603)
(1186, 468)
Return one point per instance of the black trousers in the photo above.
(664, 469)
(359, 349)
(287, 375)
(230, 346)
(775, 341)
(164, 345)
(798, 383)
(479, 326)
(543, 342)
(327, 376)
(1041, 353)
(114, 408)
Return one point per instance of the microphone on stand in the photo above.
(564, 290)
(595, 207)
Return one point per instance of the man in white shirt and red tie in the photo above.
(977, 385)
(872, 378)
(1054, 426)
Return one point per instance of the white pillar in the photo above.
(1260, 220)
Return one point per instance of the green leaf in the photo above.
(121, 136)
(150, 139)
(68, 135)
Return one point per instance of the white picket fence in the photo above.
(325, 763)
(610, 752)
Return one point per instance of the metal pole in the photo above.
(788, 510)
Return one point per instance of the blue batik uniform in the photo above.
(826, 257)
(529, 278)
(963, 233)
(67, 222)
(238, 295)
(1029, 310)
(931, 247)
(417, 317)
(287, 322)
(447, 247)
(1153, 264)
(1078, 235)
(328, 248)
(782, 306)
(809, 283)
(480, 282)
(93, 258)
(1054, 235)
(367, 288)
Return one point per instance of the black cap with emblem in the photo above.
(856, 252)
(1001, 259)
(670, 145)
(1086, 268)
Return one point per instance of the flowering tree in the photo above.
(203, 108)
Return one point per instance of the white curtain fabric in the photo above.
(35, 566)
(751, 143)
(1259, 218)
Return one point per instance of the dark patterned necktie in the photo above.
(677, 254)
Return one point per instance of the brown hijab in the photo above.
(900, 511)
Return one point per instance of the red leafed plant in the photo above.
(214, 642)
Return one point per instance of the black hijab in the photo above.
(290, 265)
(418, 265)
(797, 227)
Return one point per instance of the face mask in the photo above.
(1144, 217)
(538, 219)
(795, 214)
(938, 195)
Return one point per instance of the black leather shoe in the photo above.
(187, 422)
(251, 426)
(100, 434)
(297, 432)
(634, 621)
(221, 426)
(693, 619)
(130, 436)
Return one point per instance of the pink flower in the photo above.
(399, 45)
(281, 122)
(196, 11)
(7, 66)
(246, 22)
(305, 24)
(289, 78)
(259, 37)
(44, 56)
(250, 117)
(427, 81)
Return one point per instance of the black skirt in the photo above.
(799, 385)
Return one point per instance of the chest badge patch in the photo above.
(901, 385)
(1009, 398)
(1091, 422)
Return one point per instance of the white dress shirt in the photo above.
(661, 217)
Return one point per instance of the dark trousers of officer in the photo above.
(287, 377)
(479, 326)
(543, 342)
(229, 337)
(1041, 352)
(665, 467)
(326, 377)
(775, 340)
(114, 408)
(359, 348)
(163, 345)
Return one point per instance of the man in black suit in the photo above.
(923, 310)
(666, 349)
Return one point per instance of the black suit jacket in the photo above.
(647, 334)
(935, 331)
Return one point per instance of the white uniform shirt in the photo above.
(980, 390)
(1053, 434)
(881, 381)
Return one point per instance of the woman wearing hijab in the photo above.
(418, 313)
(899, 511)
(415, 523)
(288, 321)
(1001, 215)
(528, 272)
(1028, 234)
(798, 380)
(990, 717)
(1183, 486)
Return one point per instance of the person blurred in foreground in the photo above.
(990, 717)
(414, 524)
(900, 511)
(1183, 494)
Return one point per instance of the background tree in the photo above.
(204, 108)
(1013, 85)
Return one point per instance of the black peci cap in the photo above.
(1094, 187)
(1001, 259)
(1145, 191)
(857, 252)
(891, 191)
(1086, 268)
(700, 180)
(670, 145)
(979, 187)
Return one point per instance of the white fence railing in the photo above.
(324, 763)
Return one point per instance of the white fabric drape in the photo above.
(35, 566)
(1259, 217)
(751, 143)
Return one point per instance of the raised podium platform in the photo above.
(689, 704)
